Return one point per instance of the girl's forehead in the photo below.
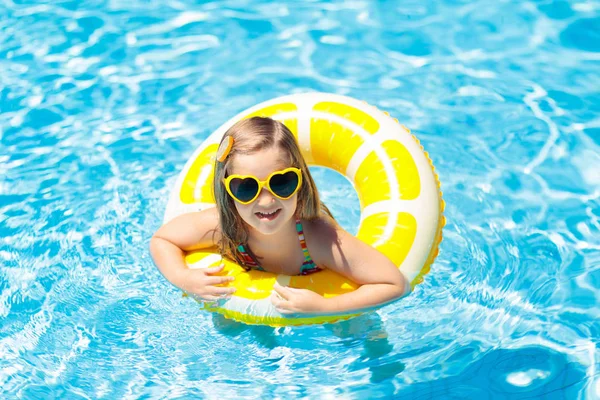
(260, 163)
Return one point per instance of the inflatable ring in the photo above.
(399, 192)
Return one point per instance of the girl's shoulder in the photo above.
(322, 228)
(322, 234)
(336, 249)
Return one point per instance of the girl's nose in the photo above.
(265, 198)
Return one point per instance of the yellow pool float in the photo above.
(399, 192)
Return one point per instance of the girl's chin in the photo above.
(268, 228)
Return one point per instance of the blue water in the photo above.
(102, 102)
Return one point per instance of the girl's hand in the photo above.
(201, 284)
(289, 300)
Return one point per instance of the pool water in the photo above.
(102, 102)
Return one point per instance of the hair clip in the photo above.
(224, 149)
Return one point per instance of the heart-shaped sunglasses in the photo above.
(282, 184)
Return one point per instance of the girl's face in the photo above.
(267, 214)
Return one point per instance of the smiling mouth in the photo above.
(268, 216)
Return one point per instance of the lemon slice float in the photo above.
(400, 199)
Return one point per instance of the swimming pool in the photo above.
(101, 104)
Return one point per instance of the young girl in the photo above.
(269, 217)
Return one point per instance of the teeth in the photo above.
(266, 214)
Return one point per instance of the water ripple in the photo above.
(102, 103)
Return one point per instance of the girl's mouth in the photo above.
(268, 216)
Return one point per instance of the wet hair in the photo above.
(249, 136)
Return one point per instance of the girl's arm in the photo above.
(189, 232)
(380, 280)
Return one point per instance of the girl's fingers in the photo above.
(284, 311)
(207, 297)
(218, 280)
(220, 291)
(281, 305)
(284, 307)
(214, 270)
(281, 291)
(286, 291)
(276, 300)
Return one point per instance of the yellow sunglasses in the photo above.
(282, 184)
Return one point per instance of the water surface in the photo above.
(102, 102)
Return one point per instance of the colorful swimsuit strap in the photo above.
(248, 259)
(308, 266)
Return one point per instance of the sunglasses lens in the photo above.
(243, 189)
(284, 185)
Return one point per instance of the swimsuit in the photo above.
(308, 266)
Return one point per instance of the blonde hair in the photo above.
(249, 136)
